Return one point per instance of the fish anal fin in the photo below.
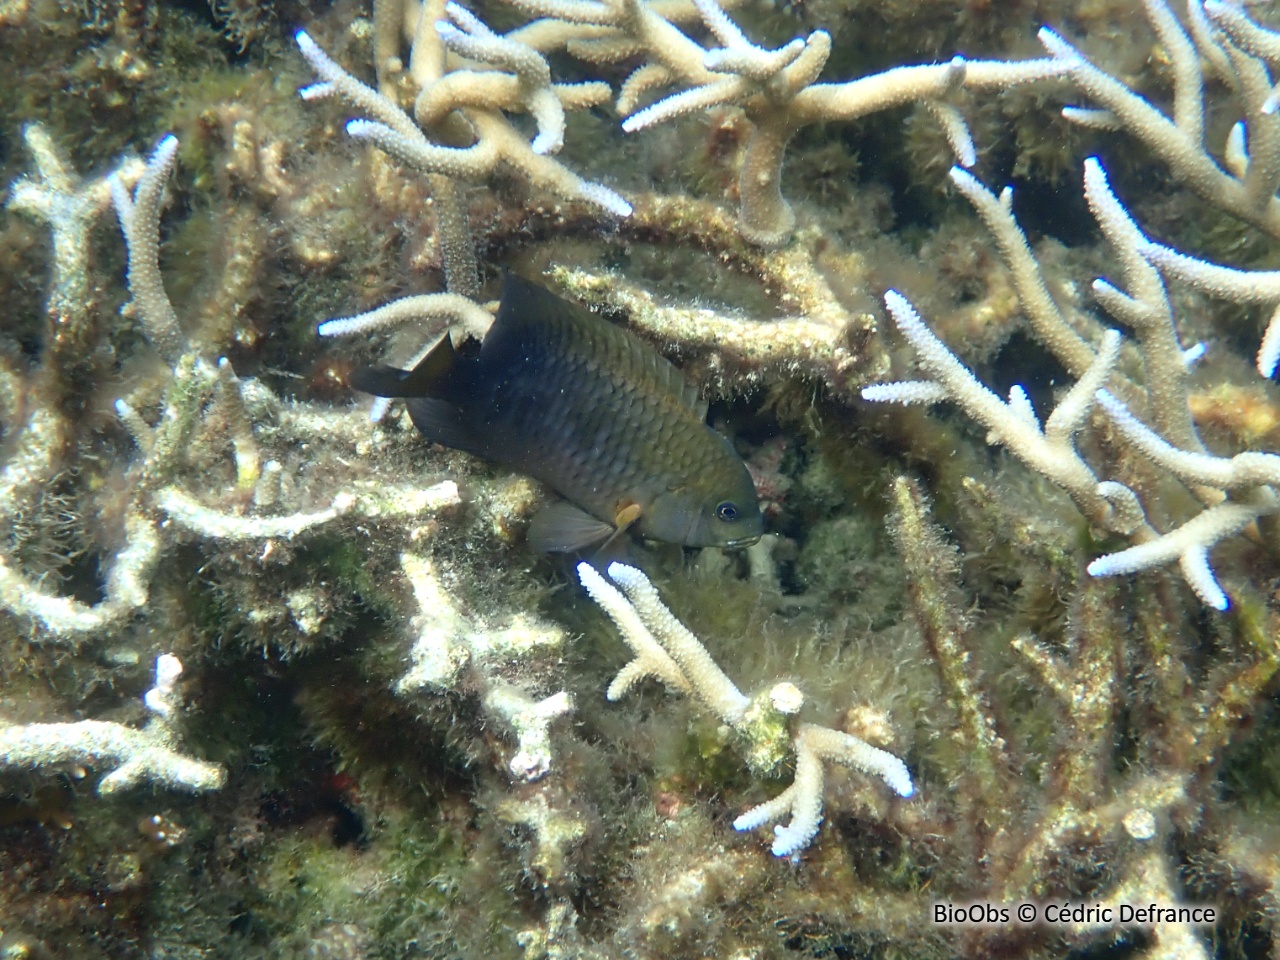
(560, 527)
(441, 422)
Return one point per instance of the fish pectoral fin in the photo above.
(560, 527)
(627, 515)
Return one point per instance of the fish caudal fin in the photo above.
(560, 527)
(438, 420)
(426, 379)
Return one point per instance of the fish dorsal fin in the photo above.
(426, 379)
(695, 402)
(560, 527)
(527, 304)
(661, 377)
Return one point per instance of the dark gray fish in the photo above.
(560, 394)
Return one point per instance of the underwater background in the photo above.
(277, 681)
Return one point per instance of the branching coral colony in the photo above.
(1106, 791)
(1236, 492)
(665, 650)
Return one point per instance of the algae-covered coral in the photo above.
(280, 681)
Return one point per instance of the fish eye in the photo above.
(727, 511)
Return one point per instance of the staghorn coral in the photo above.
(776, 89)
(138, 755)
(667, 651)
(1236, 491)
(410, 710)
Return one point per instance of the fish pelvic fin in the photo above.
(427, 378)
(560, 527)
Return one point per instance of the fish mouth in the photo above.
(740, 542)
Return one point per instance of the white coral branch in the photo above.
(137, 756)
(802, 800)
(1048, 451)
(667, 650)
